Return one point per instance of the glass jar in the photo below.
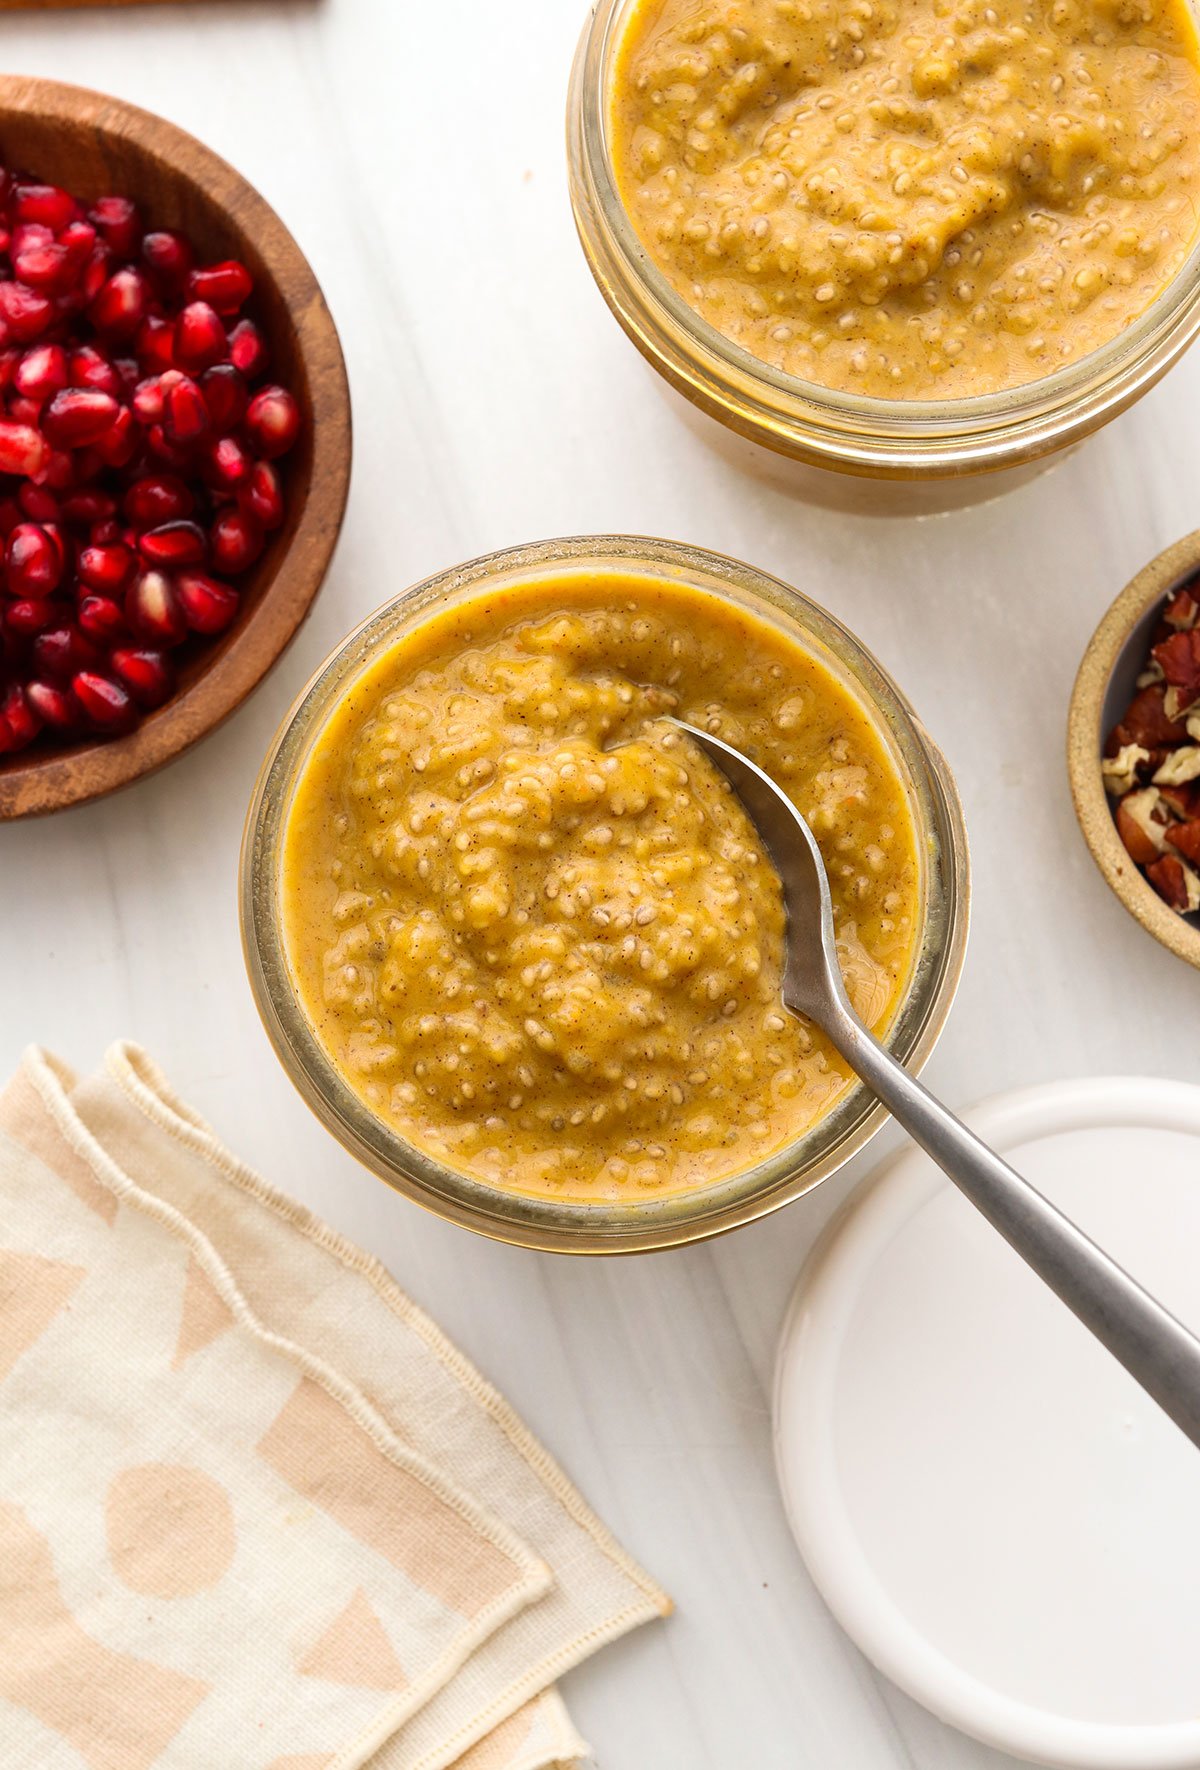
(1006, 434)
(641, 1223)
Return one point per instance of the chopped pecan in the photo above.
(1180, 659)
(1147, 723)
(1176, 883)
(1180, 767)
(1145, 770)
(1186, 838)
(1183, 610)
(1182, 802)
(1121, 771)
(1142, 821)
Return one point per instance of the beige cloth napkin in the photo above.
(255, 1509)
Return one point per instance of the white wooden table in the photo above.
(415, 147)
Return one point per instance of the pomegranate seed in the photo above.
(157, 499)
(156, 343)
(90, 367)
(96, 271)
(30, 615)
(263, 496)
(105, 703)
(101, 618)
(89, 507)
(118, 309)
(78, 242)
(224, 286)
(38, 504)
(43, 203)
(118, 223)
(25, 313)
(23, 450)
(120, 442)
(63, 650)
(78, 416)
(10, 515)
(208, 605)
(174, 544)
(150, 396)
(32, 562)
(8, 366)
(169, 258)
(225, 396)
(41, 263)
(228, 464)
(55, 707)
(154, 611)
(199, 336)
(167, 453)
(247, 350)
(106, 533)
(145, 673)
(272, 421)
(60, 542)
(20, 721)
(30, 233)
(42, 371)
(185, 416)
(106, 568)
(236, 540)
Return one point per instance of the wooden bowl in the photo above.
(1104, 688)
(91, 144)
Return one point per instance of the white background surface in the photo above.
(415, 149)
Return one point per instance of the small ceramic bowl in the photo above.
(1113, 661)
(92, 144)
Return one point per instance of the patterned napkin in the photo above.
(255, 1509)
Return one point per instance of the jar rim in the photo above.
(827, 426)
(582, 1226)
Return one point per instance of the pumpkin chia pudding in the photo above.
(531, 925)
(911, 199)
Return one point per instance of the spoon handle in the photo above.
(1156, 1349)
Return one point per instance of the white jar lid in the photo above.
(999, 1517)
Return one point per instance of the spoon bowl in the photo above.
(811, 974)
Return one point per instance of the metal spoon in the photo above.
(1156, 1349)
